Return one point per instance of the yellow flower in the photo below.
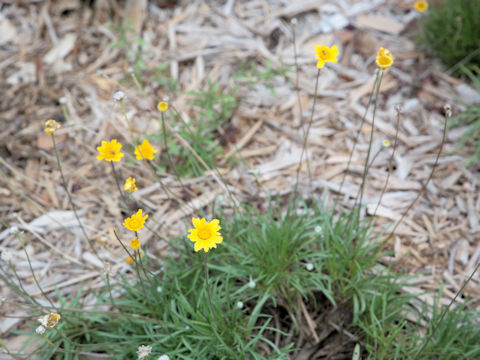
(384, 58)
(50, 320)
(136, 221)
(145, 151)
(162, 106)
(51, 126)
(421, 6)
(140, 254)
(110, 151)
(135, 244)
(130, 184)
(205, 235)
(325, 54)
(386, 143)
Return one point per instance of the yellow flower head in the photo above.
(51, 126)
(386, 143)
(50, 320)
(136, 221)
(135, 244)
(130, 184)
(325, 54)
(145, 151)
(110, 151)
(140, 254)
(384, 58)
(162, 106)
(205, 235)
(421, 6)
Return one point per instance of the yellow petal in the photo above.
(196, 222)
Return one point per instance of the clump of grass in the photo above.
(212, 109)
(450, 31)
(268, 263)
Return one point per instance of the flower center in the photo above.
(111, 151)
(385, 60)
(204, 233)
(324, 53)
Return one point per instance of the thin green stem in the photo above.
(140, 280)
(115, 176)
(217, 175)
(372, 130)
(109, 288)
(134, 259)
(65, 186)
(33, 272)
(297, 90)
(49, 341)
(368, 169)
(208, 286)
(355, 142)
(424, 187)
(144, 269)
(19, 290)
(305, 138)
(122, 105)
(390, 167)
(2, 344)
(65, 113)
(169, 159)
(135, 80)
(20, 285)
(167, 191)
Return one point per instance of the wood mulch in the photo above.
(55, 49)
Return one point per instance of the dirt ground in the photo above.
(55, 49)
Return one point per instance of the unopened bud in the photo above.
(251, 284)
(448, 110)
(119, 95)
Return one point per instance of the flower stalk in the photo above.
(305, 137)
(65, 186)
(372, 129)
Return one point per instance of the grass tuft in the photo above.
(450, 31)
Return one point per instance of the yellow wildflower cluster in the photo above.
(384, 58)
(110, 151)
